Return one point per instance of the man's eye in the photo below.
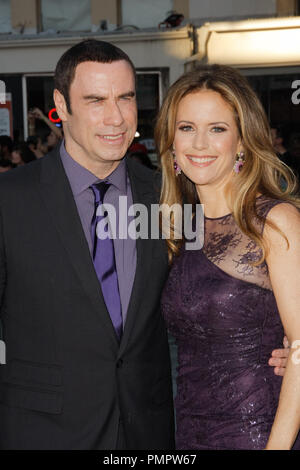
(185, 128)
(127, 97)
(218, 129)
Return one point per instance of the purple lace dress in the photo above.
(223, 316)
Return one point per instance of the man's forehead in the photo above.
(102, 78)
(111, 71)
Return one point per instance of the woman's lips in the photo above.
(202, 161)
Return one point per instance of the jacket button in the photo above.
(119, 363)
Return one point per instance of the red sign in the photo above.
(53, 110)
(6, 119)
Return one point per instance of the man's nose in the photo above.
(112, 114)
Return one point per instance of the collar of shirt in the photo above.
(81, 179)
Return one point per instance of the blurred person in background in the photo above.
(279, 138)
(21, 154)
(294, 150)
(54, 135)
(139, 153)
(6, 145)
(142, 159)
(35, 144)
(5, 165)
(52, 140)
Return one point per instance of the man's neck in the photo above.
(101, 169)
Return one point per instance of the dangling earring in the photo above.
(240, 160)
(176, 166)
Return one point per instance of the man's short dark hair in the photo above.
(89, 50)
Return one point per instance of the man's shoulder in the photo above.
(24, 177)
(32, 168)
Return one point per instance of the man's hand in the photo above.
(279, 358)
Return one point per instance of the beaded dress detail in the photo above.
(223, 315)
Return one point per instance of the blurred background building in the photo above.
(163, 38)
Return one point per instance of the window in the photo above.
(145, 14)
(39, 94)
(13, 86)
(148, 101)
(275, 92)
(66, 15)
(5, 23)
(274, 88)
(216, 9)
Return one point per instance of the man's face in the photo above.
(104, 115)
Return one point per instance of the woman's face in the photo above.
(206, 139)
(16, 157)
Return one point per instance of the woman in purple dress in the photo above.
(229, 303)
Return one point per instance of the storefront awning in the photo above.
(250, 43)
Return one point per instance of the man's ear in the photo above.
(60, 104)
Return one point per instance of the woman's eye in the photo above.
(218, 129)
(185, 128)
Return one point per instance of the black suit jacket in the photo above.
(67, 381)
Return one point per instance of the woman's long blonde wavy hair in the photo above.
(263, 172)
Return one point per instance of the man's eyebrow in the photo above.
(129, 94)
(93, 97)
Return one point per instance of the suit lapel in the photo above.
(142, 192)
(58, 198)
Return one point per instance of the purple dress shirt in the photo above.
(80, 180)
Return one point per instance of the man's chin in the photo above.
(107, 157)
(109, 160)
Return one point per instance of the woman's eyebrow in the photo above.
(186, 122)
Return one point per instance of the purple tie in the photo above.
(104, 262)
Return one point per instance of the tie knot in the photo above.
(99, 190)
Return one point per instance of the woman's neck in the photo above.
(214, 200)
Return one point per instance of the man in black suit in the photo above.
(79, 375)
